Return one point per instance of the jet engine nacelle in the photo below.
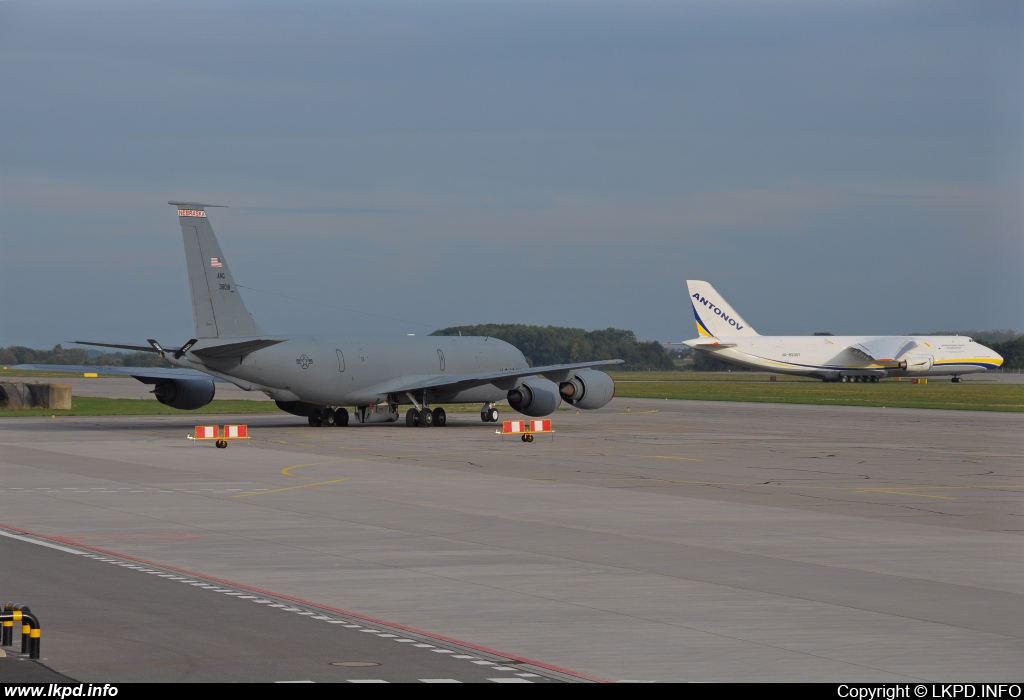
(588, 389)
(535, 397)
(185, 394)
(917, 363)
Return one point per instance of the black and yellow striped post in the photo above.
(7, 636)
(30, 629)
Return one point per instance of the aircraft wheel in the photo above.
(327, 417)
(412, 417)
(956, 380)
(484, 417)
(440, 417)
(426, 418)
(493, 415)
(314, 420)
(341, 417)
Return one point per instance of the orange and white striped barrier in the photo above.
(513, 427)
(213, 432)
(525, 428)
(236, 431)
(207, 432)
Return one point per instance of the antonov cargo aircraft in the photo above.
(866, 358)
(317, 377)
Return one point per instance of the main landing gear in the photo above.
(489, 414)
(956, 379)
(328, 417)
(426, 417)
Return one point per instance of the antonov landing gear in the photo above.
(489, 414)
(956, 379)
(873, 378)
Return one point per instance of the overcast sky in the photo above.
(397, 167)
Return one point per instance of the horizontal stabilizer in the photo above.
(708, 344)
(884, 349)
(135, 348)
(238, 349)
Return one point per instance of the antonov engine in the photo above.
(535, 397)
(917, 363)
(185, 394)
(588, 389)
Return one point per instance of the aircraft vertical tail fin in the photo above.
(714, 317)
(217, 305)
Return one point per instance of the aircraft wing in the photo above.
(146, 375)
(883, 349)
(500, 379)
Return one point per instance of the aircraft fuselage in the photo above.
(356, 373)
(830, 357)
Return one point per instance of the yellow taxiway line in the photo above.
(289, 488)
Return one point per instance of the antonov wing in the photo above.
(883, 349)
(505, 379)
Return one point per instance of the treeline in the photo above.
(18, 355)
(554, 345)
(1011, 350)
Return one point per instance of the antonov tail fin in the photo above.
(216, 303)
(714, 317)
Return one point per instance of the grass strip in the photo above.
(945, 395)
(95, 406)
(972, 395)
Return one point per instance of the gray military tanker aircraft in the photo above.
(317, 377)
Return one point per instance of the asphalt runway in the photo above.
(650, 540)
(139, 623)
